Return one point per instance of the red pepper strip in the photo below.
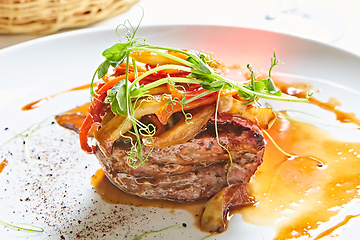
(163, 114)
(96, 111)
(121, 69)
(191, 92)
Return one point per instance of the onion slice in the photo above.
(216, 209)
(183, 130)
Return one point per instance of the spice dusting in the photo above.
(52, 178)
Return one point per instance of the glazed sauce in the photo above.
(296, 195)
(3, 164)
(113, 195)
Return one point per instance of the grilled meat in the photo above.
(195, 170)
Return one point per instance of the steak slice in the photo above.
(195, 170)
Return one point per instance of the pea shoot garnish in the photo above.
(124, 94)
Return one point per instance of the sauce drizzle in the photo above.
(331, 230)
(3, 164)
(299, 89)
(40, 102)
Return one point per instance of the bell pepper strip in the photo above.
(83, 135)
(167, 110)
(121, 69)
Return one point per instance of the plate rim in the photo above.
(93, 30)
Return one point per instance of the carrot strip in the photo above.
(121, 69)
(83, 134)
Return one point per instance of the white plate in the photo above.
(66, 204)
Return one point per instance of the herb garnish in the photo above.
(156, 231)
(123, 95)
(30, 228)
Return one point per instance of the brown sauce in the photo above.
(111, 194)
(3, 164)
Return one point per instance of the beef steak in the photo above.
(195, 170)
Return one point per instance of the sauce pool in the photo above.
(295, 195)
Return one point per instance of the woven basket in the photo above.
(49, 16)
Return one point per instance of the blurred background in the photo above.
(330, 21)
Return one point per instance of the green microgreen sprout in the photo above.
(155, 231)
(210, 235)
(182, 101)
(218, 141)
(30, 228)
